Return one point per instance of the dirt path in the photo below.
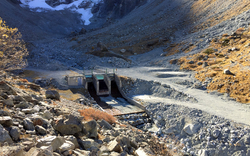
(212, 104)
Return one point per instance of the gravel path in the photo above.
(208, 102)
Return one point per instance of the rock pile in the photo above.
(32, 125)
(199, 133)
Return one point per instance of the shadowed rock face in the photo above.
(116, 8)
(54, 3)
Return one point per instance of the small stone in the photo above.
(199, 63)
(123, 50)
(27, 111)
(191, 62)
(227, 72)
(216, 133)
(205, 64)
(28, 125)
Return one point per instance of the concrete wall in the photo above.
(96, 84)
(108, 82)
(76, 81)
(119, 85)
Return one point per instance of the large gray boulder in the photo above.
(52, 94)
(54, 141)
(68, 145)
(68, 125)
(88, 144)
(8, 102)
(72, 139)
(104, 124)
(90, 128)
(191, 129)
(6, 121)
(15, 133)
(40, 130)
(4, 135)
(38, 152)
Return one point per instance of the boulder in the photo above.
(88, 143)
(191, 129)
(90, 128)
(79, 152)
(114, 146)
(28, 124)
(12, 151)
(102, 46)
(114, 154)
(22, 105)
(6, 121)
(17, 98)
(82, 31)
(72, 139)
(68, 145)
(104, 124)
(8, 102)
(123, 50)
(216, 133)
(68, 125)
(4, 135)
(27, 111)
(54, 141)
(123, 141)
(47, 115)
(40, 130)
(38, 152)
(15, 133)
(143, 152)
(38, 120)
(5, 88)
(4, 113)
(227, 72)
(52, 94)
(34, 86)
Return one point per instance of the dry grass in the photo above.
(91, 113)
(238, 62)
(24, 136)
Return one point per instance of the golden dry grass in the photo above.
(237, 61)
(91, 113)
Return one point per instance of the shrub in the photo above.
(208, 51)
(91, 113)
(12, 48)
(225, 42)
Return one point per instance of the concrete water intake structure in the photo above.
(106, 89)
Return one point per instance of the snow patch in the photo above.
(42, 6)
